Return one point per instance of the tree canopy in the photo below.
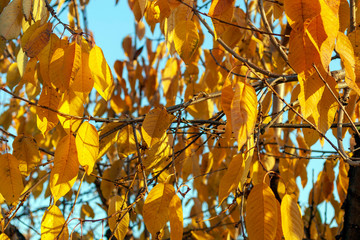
(180, 139)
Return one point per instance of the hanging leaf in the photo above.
(156, 207)
(10, 177)
(3, 236)
(155, 124)
(26, 151)
(119, 222)
(186, 39)
(292, 224)
(126, 144)
(176, 218)
(261, 213)
(87, 146)
(52, 223)
(243, 112)
(66, 167)
(101, 73)
(71, 105)
(10, 19)
(38, 40)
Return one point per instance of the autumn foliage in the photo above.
(182, 139)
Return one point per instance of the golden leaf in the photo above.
(155, 124)
(52, 223)
(47, 119)
(66, 167)
(101, 73)
(38, 40)
(342, 180)
(176, 218)
(10, 177)
(26, 151)
(10, 19)
(292, 224)
(72, 105)
(119, 222)
(126, 144)
(243, 112)
(87, 145)
(157, 153)
(261, 213)
(108, 137)
(87, 211)
(156, 207)
(186, 39)
(3, 236)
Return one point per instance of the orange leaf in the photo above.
(186, 39)
(117, 208)
(176, 218)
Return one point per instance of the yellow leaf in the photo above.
(52, 223)
(66, 167)
(29, 74)
(38, 40)
(156, 207)
(176, 218)
(47, 119)
(26, 151)
(227, 95)
(3, 236)
(103, 79)
(83, 81)
(261, 213)
(119, 222)
(157, 153)
(155, 124)
(186, 39)
(13, 76)
(108, 137)
(10, 178)
(87, 145)
(292, 224)
(10, 19)
(72, 105)
(126, 144)
(40, 11)
(243, 112)
(237, 172)
(46, 54)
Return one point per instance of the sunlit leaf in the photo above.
(292, 224)
(52, 223)
(261, 213)
(10, 19)
(26, 151)
(119, 222)
(156, 208)
(66, 167)
(176, 218)
(87, 145)
(155, 125)
(186, 39)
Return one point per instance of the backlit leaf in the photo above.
(52, 223)
(66, 167)
(261, 213)
(292, 224)
(119, 222)
(71, 105)
(155, 124)
(3, 236)
(87, 145)
(243, 112)
(156, 207)
(38, 40)
(186, 39)
(103, 79)
(10, 177)
(176, 218)
(342, 180)
(47, 119)
(126, 144)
